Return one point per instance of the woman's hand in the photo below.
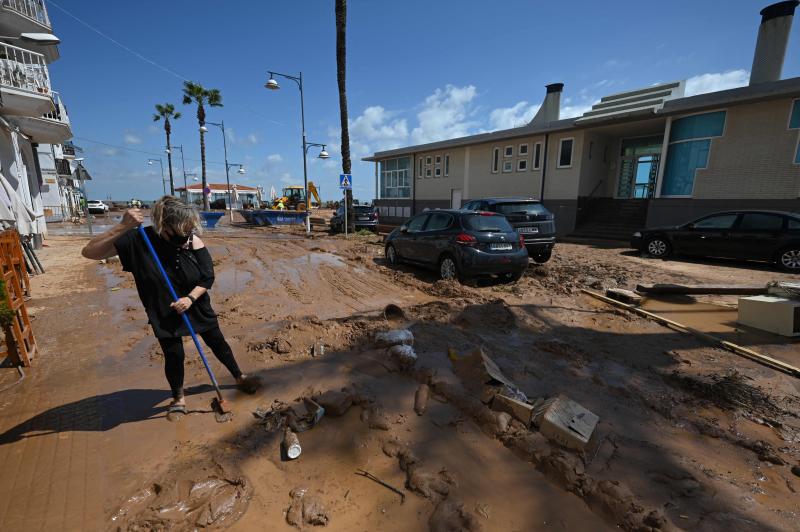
(181, 305)
(132, 218)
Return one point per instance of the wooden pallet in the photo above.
(20, 344)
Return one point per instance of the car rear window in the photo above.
(521, 208)
(482, 222)
(762, 222)
(362, 208)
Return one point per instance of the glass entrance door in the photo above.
(638, 168)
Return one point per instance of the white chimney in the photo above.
(550, 110)
(773, 38)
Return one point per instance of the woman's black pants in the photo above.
(173, 357)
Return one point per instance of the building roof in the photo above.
(217, 187)
(751, 93)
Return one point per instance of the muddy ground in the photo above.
(690, 436)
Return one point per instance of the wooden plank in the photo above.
(697, 289)
(759, 358)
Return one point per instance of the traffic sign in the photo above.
(346, 181)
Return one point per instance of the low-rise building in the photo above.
(241, 195)
(644, 157)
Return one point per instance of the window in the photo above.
(438, 172)
(508, 166)
(761, 222)
(495, 160)
(427, 172)
(428, 159)
(439, 221)
(446, 164)
(719, 221)
(565, 153)
(395, 178)
(419, 173)
(528, 208)
(415, 224)
(484, 223)
(438, 159)
(522, 165)
(522, 150)
(537, 156)
(794, 223)
(794, 117)
(689, 145)
(509, 151)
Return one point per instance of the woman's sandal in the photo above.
(250, 384)
(175, 412)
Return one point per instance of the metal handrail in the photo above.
(59, 112)
(23, 69)
(33, 9)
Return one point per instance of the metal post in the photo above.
(163, 182)
(305, 164)
(183, 165)
(345, 213)
(227, 167)
(88, 214)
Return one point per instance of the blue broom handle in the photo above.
(175, 298)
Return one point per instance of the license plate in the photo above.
(528, 230)
(500, 247)
(363, 218)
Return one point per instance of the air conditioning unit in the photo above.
(774, 314)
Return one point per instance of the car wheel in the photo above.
(391, 255)
(789, 259)
(543, 257)
(448, 269)
(658, 247)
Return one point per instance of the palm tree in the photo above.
(341, 72)
(166, 112)
(194, 92)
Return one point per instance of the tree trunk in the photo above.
(201, 118)
(341, 75)
(168, 129)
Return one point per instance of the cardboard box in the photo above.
(565, 422)
(522, 412)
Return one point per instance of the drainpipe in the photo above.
(544, 166)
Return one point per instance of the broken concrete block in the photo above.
(335, 403)
(623, 295)
(421, 399)
(404, 355)
(394, 337)
(565, 422)
(522, 412)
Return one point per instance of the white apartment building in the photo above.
(33, 120)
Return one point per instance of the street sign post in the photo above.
(345, 183)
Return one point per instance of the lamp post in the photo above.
(161, 163)
(271, 84)
(183, 166)
(221, 125)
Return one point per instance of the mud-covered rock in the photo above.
(404, 356)
(306, 509)
(451, 516)
(394, 337)
(335, 403)
(429, 485)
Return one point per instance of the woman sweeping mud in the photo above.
(189, 266)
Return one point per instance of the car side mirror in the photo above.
(404, 229)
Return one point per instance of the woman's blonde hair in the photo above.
(171, 212)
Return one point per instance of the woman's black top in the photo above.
(187, 268)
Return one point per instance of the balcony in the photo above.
(52, 127)
(69, 150)
(63, 169)
(25, 15)
(25, 82)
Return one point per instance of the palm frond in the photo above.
(156, 118)
(176, 116)
(214, 98)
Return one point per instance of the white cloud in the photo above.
(252, 139)
(130, 138)
(719, 81)
(508, 117)
(111, 152)
(377, 129)
(274, 158)
(287, 179)
(445, 114)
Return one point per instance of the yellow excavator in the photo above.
(294, 197)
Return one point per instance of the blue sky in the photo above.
(417, 72)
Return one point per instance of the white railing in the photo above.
(23, 69)
(33, 9)
(59, 113)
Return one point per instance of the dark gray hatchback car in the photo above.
(460, 244)
(529, 218)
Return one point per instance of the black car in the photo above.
(768, 236)
(530, 219)
(365, 218)
(460, 244)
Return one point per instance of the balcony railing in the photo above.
(33, 9)
(62, 168)
(59, 113)
(23, 69)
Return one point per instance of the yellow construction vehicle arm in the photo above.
(312, 189)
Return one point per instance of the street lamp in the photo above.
(221, 125)
(272, 84)
(183, 166)
(161, 163)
